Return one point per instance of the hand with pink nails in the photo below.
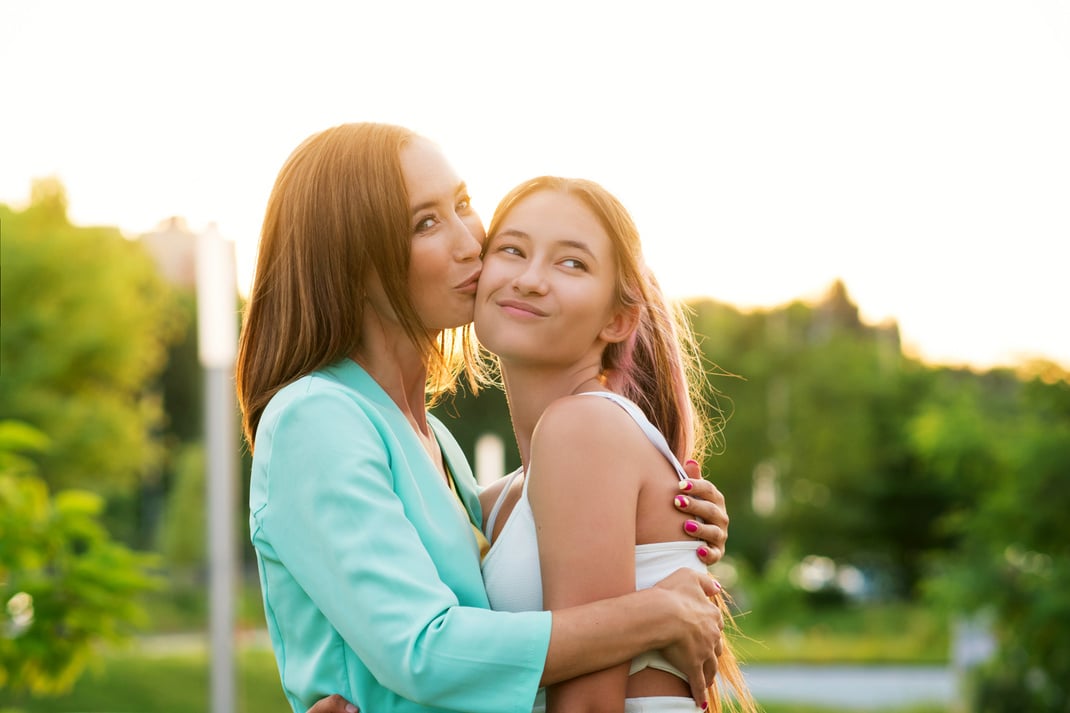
(701, 499)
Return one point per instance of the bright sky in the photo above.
(917, 149)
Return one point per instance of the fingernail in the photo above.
(685, 485)
(703, 552)
(715, 582)
(691, 461)
(350, 708)
(681, 501)
(704, 705)
(691, 526)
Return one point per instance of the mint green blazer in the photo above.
(368, 564)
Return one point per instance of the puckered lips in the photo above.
(469, 284)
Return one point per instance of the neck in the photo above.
(531, 389)
(397, 365)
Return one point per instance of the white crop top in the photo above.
(511, 568)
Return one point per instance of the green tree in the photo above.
(86, 323)
(65, 584)
(1007, 440)
(816, 459)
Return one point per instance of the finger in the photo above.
(333, 704)
(710, 586)
(697, 680)
(712, 549)
(698, 489)
(701, 509)
(702, 499)
(708, 524)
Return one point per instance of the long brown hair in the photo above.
(338, 213)
(659, 367)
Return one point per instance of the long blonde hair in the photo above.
(659, 367)
(338, 213)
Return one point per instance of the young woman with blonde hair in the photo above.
(605, 393)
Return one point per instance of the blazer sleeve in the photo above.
(334, 520)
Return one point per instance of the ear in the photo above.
(625, 321)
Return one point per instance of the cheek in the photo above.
(425, 267)
(489, 276)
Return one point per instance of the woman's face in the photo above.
(447, 236)
(547, 292)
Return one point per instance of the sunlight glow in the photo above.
(917, 150)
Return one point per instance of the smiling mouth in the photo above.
(520, 308)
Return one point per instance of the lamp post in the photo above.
(217, 338)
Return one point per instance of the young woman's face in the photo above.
(447, 236)
(547, 292)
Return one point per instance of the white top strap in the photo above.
(488, 526)
(656, 437)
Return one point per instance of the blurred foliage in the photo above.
(66, 586)
(1007, 441)
(817, 426)
(183, 525)
(86, 321)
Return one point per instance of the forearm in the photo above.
(595, 636)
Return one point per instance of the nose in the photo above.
(531, 279)
(467, 244)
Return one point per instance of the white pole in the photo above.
(490, 459)
(217, 338)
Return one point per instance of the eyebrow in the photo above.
(462, 187)
(512, 232)
(575, 244)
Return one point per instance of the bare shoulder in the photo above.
(586, 430)
(583, 418)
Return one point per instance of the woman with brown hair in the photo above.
(363, 512)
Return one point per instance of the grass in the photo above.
(127, 681)
(887, 634)
(785, 708)
(134, 683)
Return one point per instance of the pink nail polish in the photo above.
(691, 526)
(705, 705)
(681, 501)
(703, 552)
(718, 585)
(691, 461)
(685, 485)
